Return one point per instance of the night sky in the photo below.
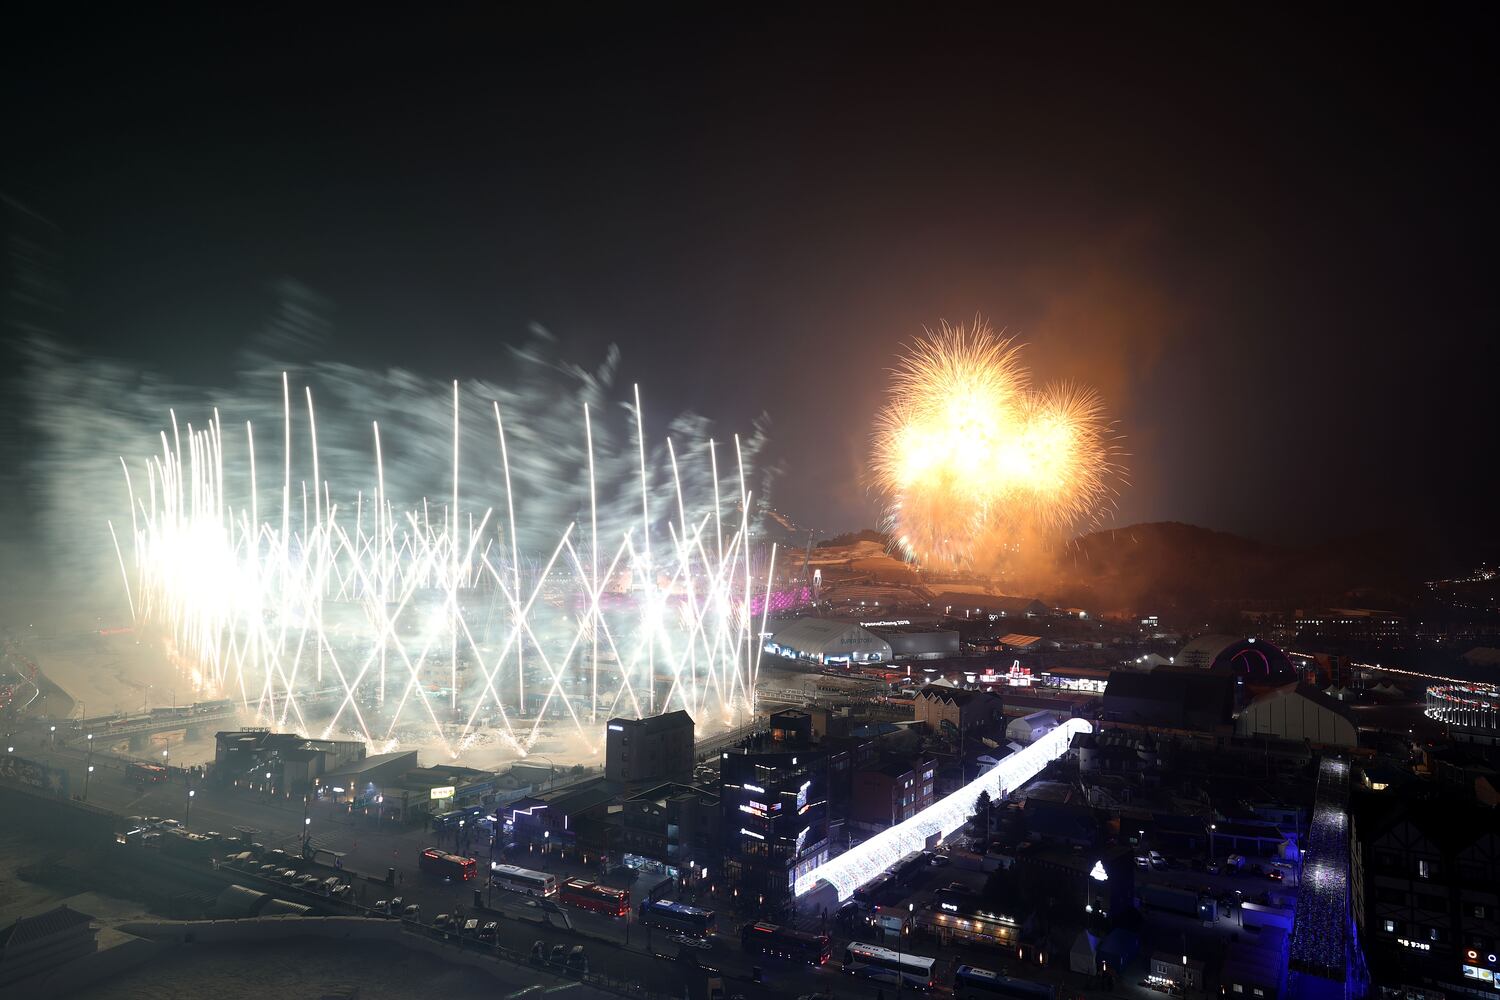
(1267, 242)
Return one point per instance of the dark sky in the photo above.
(1266, 241)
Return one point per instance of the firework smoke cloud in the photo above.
(403, 559)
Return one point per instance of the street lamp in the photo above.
(86, 775)
(188, 817)
(54, 737)
(901, 949)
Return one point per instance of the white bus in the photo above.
(522, 880)
(886, 966)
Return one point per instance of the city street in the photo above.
(369, 850)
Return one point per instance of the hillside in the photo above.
(1181, 567)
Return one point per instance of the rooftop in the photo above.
(44, 925)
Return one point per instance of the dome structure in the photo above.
(1253, 660)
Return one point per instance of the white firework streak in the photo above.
(305, 614)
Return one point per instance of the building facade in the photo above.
(674, 830)
(892, 792)
(773, 810)
(940, 707)
(650, 750)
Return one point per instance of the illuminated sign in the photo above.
(1097, 873)
(754, 788)
(1419, 945)
(616, 729)
(441, 792)
(751, 833)
(1475, 972)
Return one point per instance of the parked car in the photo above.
(1275, 874)
(306, 881)
(398, 905)
(412, 912)
(442, 921)
(342, 891)
(169, 824)
(329, 883)
(578, 961)
(490, 931)
(382, 908)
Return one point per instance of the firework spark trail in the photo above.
(270, 614)
(972, 460)
(247, 575)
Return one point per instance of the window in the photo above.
(1479, 910)
(1424, 868)
(1433, 933)
(1238, 988)
(1390, 926)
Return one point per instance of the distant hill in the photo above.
(1182, 567)
(851, 537)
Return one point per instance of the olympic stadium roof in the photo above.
(826, 637)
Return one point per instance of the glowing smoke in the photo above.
(332, 581)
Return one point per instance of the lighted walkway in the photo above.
(859, 865)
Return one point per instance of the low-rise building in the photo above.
(1030, 728)
(673, 830)
(948, 709)
(294, 762)
(651, 750)
(36, 945)
(893, 791)
(573, 822)
(1173, 970)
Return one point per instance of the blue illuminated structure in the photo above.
(1326, 960)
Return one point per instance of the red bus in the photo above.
(786, 942)
(436, 862)
(146, 774)
(588, 895)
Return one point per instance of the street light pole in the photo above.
(187, 819)
(88, 760)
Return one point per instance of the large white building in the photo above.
(1298, 713)
(825, 640)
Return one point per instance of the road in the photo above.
(623, 950)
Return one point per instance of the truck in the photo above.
(1172, 900)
